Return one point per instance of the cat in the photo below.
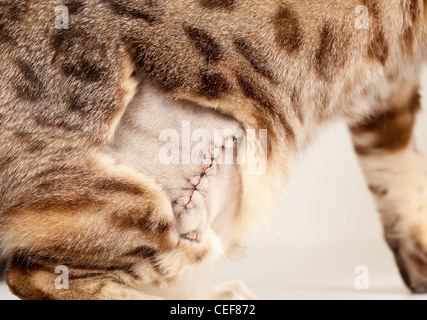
(87, 86)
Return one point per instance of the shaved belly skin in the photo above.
(190, 151)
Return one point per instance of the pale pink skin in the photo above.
(205, 194)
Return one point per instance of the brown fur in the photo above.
(276, 65)
(392, 130)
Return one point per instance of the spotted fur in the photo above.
(290, 67)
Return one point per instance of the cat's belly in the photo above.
(191, 151)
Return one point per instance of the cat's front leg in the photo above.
(396, 173)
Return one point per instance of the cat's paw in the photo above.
(230, 290)
(411, 259)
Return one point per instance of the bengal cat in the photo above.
(85, 101)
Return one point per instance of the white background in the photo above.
(326, 227)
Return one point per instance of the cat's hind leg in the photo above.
(396, 173)
(44, 280)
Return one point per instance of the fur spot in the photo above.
(143, 219)
(76, 104)
(289, 32)
(330, 54)
(36, 146)
(5, 35)
(267, 110)
(408, 38)
(373, 8)
(213, 84)
(119, 186)
(84, 70)
(56, 170)
(205, 43)
(75, 62)
(7, 161)
(378, 191)
(295, 100)
(211, 4)
(75, 7)
(14, 10)
(199, 256)
(57, 122)
(295, 95)
(31, 88)
(148, 10)
(144, 252)
(414, 10)
(247, 49)
(393, 243)
(86, 275)
(148, 64)
(11, 12)
(251, 92)
(31, 144)
(378, 48)
(64, 40)
(28, 73)
(392, 130)
(408, 33)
